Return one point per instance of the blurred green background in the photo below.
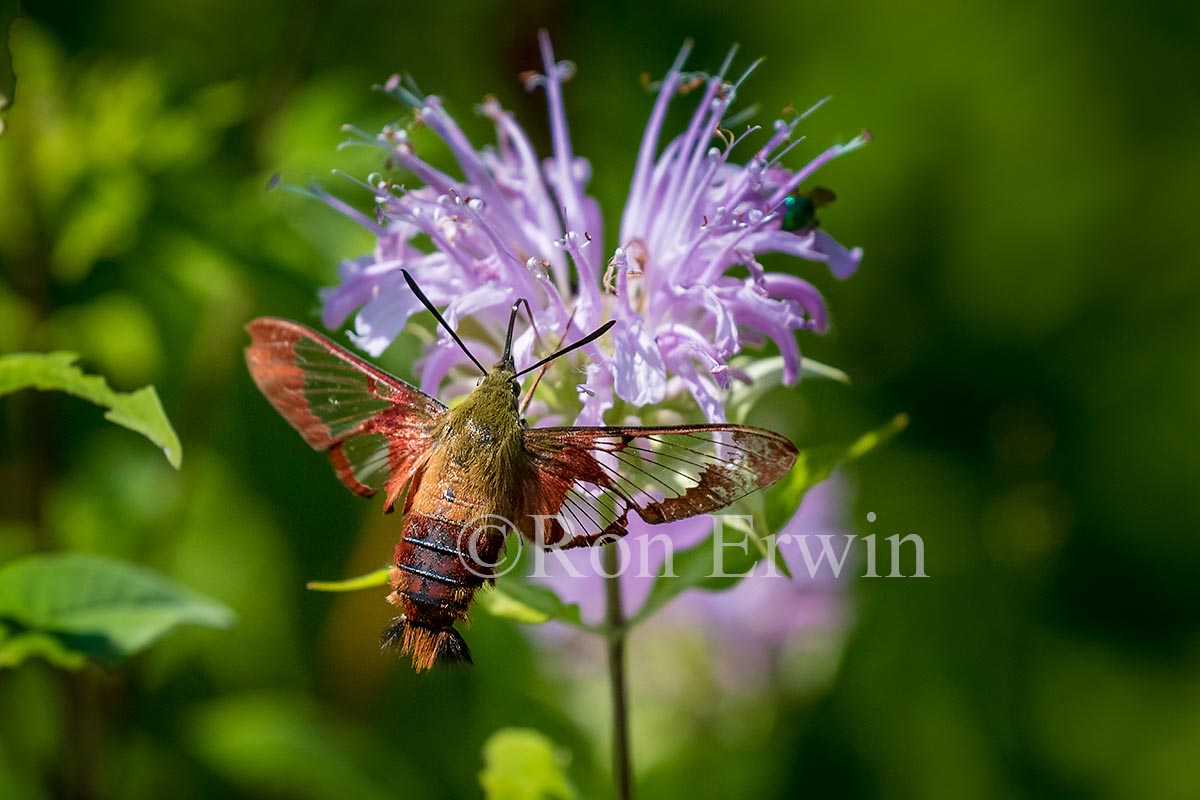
(1028, 295)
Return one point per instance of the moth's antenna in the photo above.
(538, 378)
(512, 320)
(425, 302)
(596, 334)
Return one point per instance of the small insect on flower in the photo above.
(477, 471)
(800, 209)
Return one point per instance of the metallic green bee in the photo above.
(800, 209)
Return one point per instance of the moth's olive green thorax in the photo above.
(490, 414)
(484, 431)
(493, 399)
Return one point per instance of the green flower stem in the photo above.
(614, 624)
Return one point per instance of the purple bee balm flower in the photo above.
(511, 226)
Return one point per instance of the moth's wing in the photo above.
(376, 428)
(589, 479)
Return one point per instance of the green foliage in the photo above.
(286, 745)
(815, 464)
(522, 764)
(18, 645)
(711, 565)
(766, 374)
(500, 603)
(64, 607)
(522, 601)
(372, 579)
(139, 411)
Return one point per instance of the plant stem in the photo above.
(614, 623)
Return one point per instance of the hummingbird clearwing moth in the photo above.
(465, 467)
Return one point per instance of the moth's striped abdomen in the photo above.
(439, 565)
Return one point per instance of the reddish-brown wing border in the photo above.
(593, 477)
(376, 427)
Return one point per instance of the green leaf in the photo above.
(379, 577)
(286, 744)
(711, 565)
(17, 646)
(765, 374)
(814, 464)
(755, 506)
(93, 606)
(522, 764)
(500, 604)
(529, 603)
(139, 411)
(811, 368)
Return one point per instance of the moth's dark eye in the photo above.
(516, 390)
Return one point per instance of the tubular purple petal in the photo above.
(568, 190)
(645, 160)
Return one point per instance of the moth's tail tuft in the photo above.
(451, 648)
(428, 647)
(393, 635)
